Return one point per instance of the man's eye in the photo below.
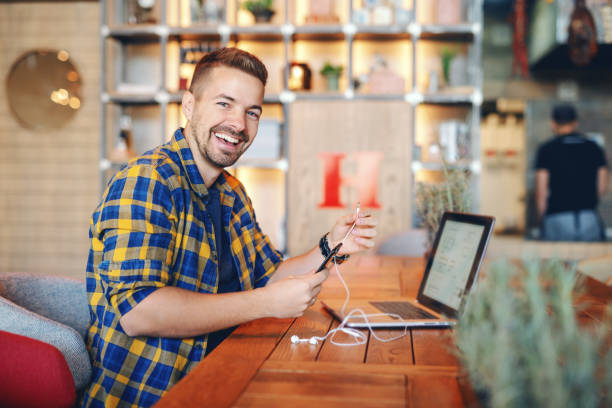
(224, 104)
(254, 115)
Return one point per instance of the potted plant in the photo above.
(521, 345)
(446, 57)
(262, 10)
(332, 74)
(433, 199)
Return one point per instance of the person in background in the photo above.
(177, 258)
(571, 176)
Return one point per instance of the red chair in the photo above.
(52, 312)
(34, 374)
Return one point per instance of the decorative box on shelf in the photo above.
(321, 12)
(449, 12)
(386, 81)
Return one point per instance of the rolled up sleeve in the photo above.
(267, 258)
(136, 231)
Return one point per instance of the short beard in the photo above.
(219, 162)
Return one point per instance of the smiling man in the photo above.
(177, 259)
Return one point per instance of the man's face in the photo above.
(225, 115)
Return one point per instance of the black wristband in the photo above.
(325, 250)
(324, 246)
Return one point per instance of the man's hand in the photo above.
(291, 296)
(362, 236)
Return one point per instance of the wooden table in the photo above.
(258, 366)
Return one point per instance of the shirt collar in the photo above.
(196, 181)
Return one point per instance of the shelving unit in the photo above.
(145, 57)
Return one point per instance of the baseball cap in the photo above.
(564, 114)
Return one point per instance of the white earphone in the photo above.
(358, 337)
(295, 339)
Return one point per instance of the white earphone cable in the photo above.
(359, 337)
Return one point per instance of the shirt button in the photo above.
(197, 346)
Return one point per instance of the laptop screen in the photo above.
(453, 262)
(457, 253)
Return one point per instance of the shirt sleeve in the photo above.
(136, 231)
(267, 258)
(601, 157)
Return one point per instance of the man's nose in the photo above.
(237, 120)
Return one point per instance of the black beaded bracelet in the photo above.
(325, 250)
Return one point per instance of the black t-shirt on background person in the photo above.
(572, 161)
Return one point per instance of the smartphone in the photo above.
(329, 257)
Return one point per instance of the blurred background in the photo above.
(365, 100)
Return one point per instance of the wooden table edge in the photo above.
(226, 373)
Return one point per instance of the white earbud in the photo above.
(359, 338)
(295, 339)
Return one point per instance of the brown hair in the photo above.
(229, 57)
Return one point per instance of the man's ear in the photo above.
(187, 105)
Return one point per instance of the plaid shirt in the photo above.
(152, 229)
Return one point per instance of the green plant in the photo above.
(329, 69)
(255, 6)
(520, 343)
(446, 57)
(433, 199)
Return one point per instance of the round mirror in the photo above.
(44, 89)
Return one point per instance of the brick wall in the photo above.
(49, 180)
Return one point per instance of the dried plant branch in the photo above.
(432, 200)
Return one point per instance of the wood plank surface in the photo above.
(348, 354)
(392, 352)
(434, 391)
(291, 388)
(598, 290)
(333, 366)
(314, 322)
(219, 379)
(433, 347)
(336, 384)
(411, 274)
(366, 276)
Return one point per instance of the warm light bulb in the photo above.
(72, 76)
(61, 96)
(297, 72)
(63, 55)
(75, 103)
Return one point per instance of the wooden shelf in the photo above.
(127, 32)
(285, 41)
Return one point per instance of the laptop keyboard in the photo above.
(405, 309)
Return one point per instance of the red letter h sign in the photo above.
(365, 180)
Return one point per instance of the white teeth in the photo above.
(227, 138)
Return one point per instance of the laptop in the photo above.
(452, 269)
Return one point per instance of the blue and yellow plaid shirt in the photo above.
(152, 229)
